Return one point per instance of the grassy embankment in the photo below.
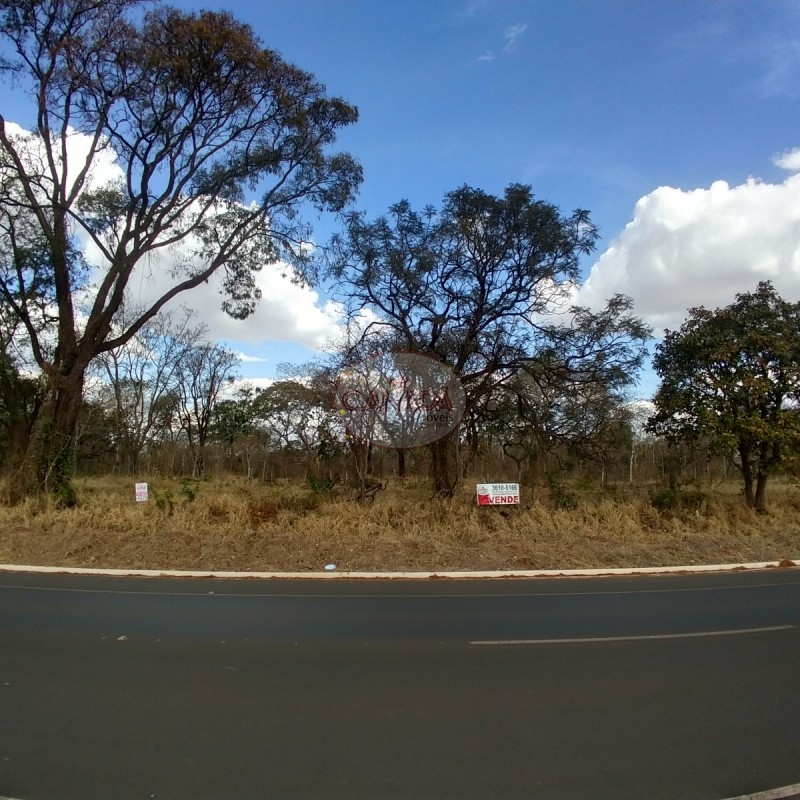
(235, 525)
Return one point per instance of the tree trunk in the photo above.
(747, 475)
(442, 468)
(360, 452)
(136, 463)
(49, 460)
(369, 465)
(760, 503)
(518, 463)
(401, 463)
(199, 462)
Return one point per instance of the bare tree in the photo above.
(203, 371)
(142, 373)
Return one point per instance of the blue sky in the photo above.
(667, 119)
(596, 103)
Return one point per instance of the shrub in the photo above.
(563, 499)
(164, 502)
(674, 499)
(189, 489)
(320, 485)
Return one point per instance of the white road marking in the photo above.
(388, 575)
(593, 639)
(398, 595)
(770, 794)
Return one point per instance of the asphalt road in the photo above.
(659, 687)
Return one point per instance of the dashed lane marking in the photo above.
(646, 637)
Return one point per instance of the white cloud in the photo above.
(104, 169)
(781, 53)
(512, 34)
(789, 160)
(474, 6)
(287, 312)
(231, 390)
(556, 301)
(246, 359)
(690, 248)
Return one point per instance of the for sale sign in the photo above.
(141, 492)
(498, 494)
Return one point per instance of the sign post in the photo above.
(497, 494)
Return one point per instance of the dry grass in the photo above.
(232, 524)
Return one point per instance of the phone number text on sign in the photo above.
(497, 494)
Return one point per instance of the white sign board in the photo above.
(497, 494)
(141, 492)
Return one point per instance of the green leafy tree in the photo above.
(218, 145)
(733, 375)
(234, 427)
(531, 416)
(474, 286)
(292, 413)
(233, 418)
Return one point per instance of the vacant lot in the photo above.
(239, 525)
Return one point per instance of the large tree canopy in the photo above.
(733, 376)
(476, 286)
(171, 146)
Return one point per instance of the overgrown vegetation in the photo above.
(245, 525)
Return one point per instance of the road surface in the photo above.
(679, 687)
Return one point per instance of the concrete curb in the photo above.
(784, 793)
(453, 575)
